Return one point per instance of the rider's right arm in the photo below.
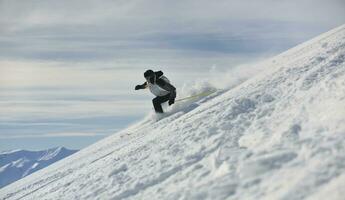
(142, 86)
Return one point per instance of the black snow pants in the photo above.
(158, 101)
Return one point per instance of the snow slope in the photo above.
(278, 135)
(17, 164)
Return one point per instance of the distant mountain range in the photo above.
(17, 164)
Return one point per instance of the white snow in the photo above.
(278, 135)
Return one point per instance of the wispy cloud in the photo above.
(52, 135)
(88, 30)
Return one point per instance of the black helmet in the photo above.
(150, 76)
(149, 73)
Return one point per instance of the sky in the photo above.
(68, 68)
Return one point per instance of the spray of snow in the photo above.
(218, 81)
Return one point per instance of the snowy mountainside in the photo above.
(278, 135)
(17, 164)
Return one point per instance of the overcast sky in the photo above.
(68, 68)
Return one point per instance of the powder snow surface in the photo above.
(278, 135)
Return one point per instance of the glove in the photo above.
(138, 87)
(171, 102)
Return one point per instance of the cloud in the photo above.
(88, 30)
(163, 13)
(42, 110)
(52, 135)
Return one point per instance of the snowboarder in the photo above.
(160, 86)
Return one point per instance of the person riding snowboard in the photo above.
(160, 86)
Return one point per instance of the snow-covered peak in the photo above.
(278, 135)
(17, 164)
